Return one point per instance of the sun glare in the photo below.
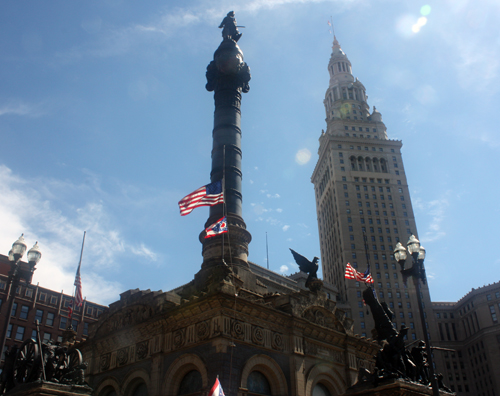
(303, 156)
(420, 22)
(425, 10)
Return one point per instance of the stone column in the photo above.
(228, 76)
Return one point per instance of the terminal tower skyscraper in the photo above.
(363, 203)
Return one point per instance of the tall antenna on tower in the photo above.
(267, 252)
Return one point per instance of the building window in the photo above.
(29, 292)
(47, 336)
(493, 314)
(14, 309)
(86, 326)
(24, 312)
(63, 323)
(9, 331)
(361, 314)
(42, 297)
(53, 300)
(20, 333)
(39, 315)
(50, 319)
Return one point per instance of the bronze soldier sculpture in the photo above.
(229, 27)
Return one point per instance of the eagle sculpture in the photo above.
(310, 268)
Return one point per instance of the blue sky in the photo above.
(105, 124)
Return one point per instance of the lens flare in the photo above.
(420, 22)
(303, 156)
(425, 10)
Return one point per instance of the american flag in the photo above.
(217, 228)
(78, 289)
(208, 195)
(351, 273)
(216, 389)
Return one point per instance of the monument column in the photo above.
(227, 76)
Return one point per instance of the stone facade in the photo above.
(470, 327)
(155, 340)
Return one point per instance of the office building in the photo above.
(363, 202)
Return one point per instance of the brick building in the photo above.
(50, 308)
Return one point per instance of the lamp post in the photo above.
(18, 271)
(417, 272)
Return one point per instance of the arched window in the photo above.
(258, 384)
(360, 163)
(191, 384)
(140, 390)
(320, 390)
(108, 391)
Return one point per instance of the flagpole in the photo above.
(223, 194)
(365, 240)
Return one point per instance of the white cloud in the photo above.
(36, 208)
(285, 227)
(279, 210)
(284, 269)
(436, 209)
(21, 108)
(273, 196)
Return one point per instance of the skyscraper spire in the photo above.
(346, 97)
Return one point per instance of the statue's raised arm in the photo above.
(229, 28)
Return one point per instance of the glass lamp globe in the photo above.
(413, 245)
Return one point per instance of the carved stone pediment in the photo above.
(323, 317)
(128, 316)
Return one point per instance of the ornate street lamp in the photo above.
(417, 272)
(18, 271)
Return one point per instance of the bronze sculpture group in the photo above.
(394, 359)
(37, 361)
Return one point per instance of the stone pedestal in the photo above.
(43, 388)
(392, 388)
